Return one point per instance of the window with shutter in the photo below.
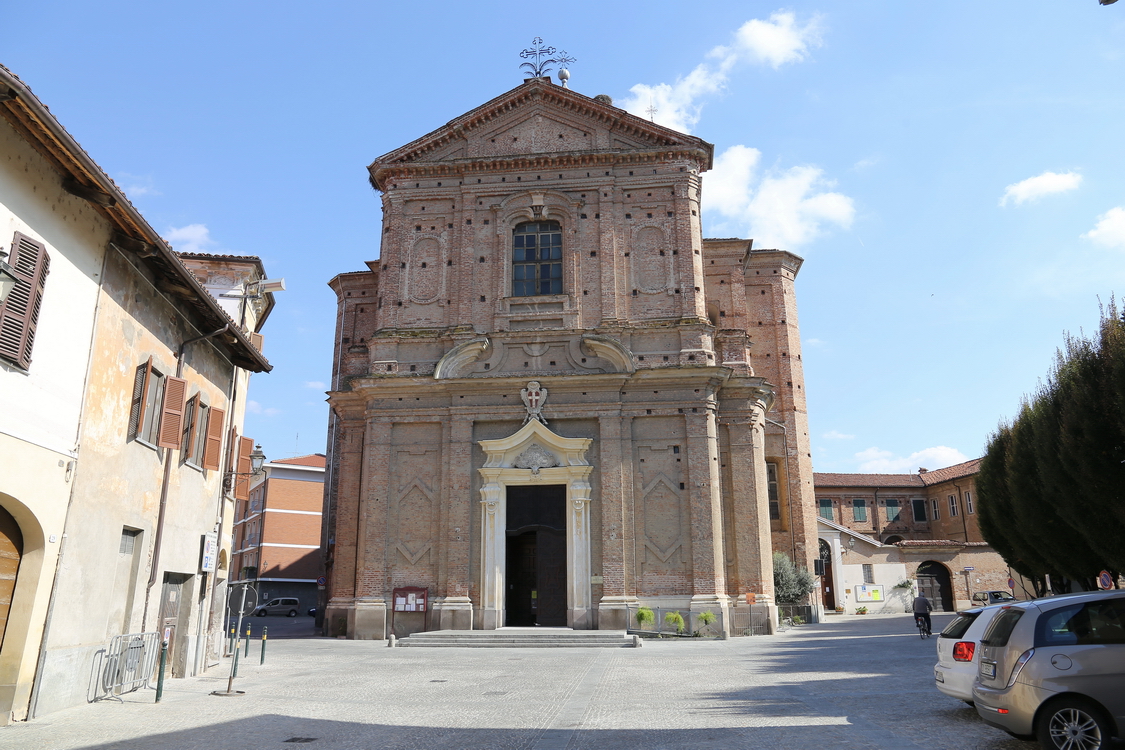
(172, 415)
(190, 410)
(144, 414)
(19, 313)
(242, 481)
(213, 450)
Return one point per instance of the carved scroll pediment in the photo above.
(536, 457)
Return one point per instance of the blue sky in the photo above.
(952, 173)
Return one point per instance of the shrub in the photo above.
(706, 617)
(675, 620)
(645, 616)
(790, 583)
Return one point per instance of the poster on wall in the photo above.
(869, 592)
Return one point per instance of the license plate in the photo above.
(988, 669)
(939, 676)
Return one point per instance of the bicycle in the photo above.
(923, 631)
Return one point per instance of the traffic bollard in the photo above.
(263, 661)
(230, 646)
(160, 677)
(247, 641)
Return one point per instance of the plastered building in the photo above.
(122, 392)
(552, 399)
(878, 530)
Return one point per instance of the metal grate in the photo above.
(128, 541)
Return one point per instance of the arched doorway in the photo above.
(11, 550)
(934, 582)
(828, 595)
(892, 539)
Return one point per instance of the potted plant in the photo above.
(645, 616)
(705, 619)
(861, 610)
(839, 610)
(675, 620)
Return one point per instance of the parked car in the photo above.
(958, 650)
(284, 606)
(1055, 669)
(312, 611)
(984, 598)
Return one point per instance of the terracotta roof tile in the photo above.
(315, 459)
(937, 476)
(866, 480)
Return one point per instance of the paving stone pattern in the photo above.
(853, 682)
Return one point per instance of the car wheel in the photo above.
(292, 613)
(1073, 724)
(261, 613)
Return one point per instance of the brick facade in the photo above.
(677, 358)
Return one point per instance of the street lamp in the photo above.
(257, 458)
(7, 277)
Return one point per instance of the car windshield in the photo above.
(957, 628)
(1002, 596)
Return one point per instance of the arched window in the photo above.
(537, 259)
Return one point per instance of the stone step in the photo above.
(518, 638)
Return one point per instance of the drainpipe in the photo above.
(167, 480)
(788, 482)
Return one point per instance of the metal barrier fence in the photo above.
(791, 612)
(752, 621)
(126, 664)
(692, 623)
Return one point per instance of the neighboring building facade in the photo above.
(122, 388)
(278, 531)
(550, 393)
(878, 530)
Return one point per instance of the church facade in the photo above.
(552, 399)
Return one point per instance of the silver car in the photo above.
(1055, 669)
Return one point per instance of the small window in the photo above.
(935, 509)
(969, 503)
(859, 511)
(128, 541)
(868, 573)
(537, 259)
(774, 496)
(825, 504)
(195, 431)
(919, 510)
(952, 506)
(892, 510)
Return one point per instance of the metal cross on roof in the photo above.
(543, 57)
(652, 110)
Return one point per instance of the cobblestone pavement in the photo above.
(853, 682)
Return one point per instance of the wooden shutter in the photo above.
(172, 413)
(213, 450)
(19, 314)
(242, 482)
(140, 390)
(190, 428)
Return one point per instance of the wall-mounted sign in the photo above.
(410, 599)
(869, 592)
(210, 553)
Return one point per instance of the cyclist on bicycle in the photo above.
(922, 608)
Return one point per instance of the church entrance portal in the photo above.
(536, 556)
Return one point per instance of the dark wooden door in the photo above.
(934, 583)
(826, 591)
(535, 590)
(11, 550)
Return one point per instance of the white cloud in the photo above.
(834, 435)
(775, 42)
(1036, 187)
(194, 238)
(1110, 230)
(255, 408)
(781, 208)
(878, 461)
(316, 385)
(136, 186)
(815, 342)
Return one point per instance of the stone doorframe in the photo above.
(535, 455)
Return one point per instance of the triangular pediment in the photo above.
(540, 119)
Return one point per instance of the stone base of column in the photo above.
(339, 617)
(490, 619)
(454, 613)
(613, 612)
(580, 619)
(369, 622)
